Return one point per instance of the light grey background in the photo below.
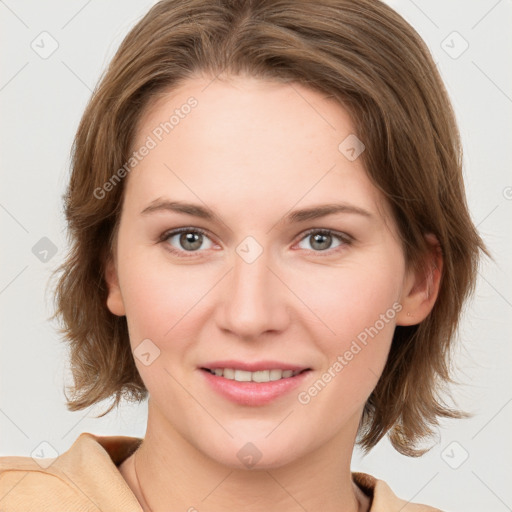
(42, 100)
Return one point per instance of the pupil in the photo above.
(190, 238)
(319, 239)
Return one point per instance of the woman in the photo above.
(270, 241)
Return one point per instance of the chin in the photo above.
(252, 458)
(253, 453)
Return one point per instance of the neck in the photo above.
(171, 474)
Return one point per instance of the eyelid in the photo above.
(175, 231)
(344, 237)
(187, 229)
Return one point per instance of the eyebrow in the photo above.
(296, 216)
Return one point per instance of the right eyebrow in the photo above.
(180, 207)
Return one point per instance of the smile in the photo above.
(256, 384)
(257, 376)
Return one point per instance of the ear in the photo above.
(421, 286)
(114, 299)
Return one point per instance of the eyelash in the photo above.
(344, 238)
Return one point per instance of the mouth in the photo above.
(269, 375)
(253, 384)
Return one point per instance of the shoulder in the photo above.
(24, 484)
(383, 499)
(85, 477)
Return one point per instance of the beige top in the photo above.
(86, 478)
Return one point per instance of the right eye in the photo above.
(182, 240)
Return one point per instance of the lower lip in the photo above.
(253, 393)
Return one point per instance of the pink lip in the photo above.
(253, 367)
(253, 393)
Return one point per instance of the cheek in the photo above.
(158, 297)
(356, 308)
(162, 305)
(351, 298)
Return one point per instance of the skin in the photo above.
(252, 151)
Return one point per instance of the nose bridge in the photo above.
(254, 301)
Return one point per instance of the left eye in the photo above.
(322, 239)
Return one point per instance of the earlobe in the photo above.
(421, 286)
(115, 302)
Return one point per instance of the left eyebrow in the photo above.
(316, 212)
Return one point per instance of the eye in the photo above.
(322, 239)
(185, 240)
(191, 240)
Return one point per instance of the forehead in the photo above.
(253, 142)
(248, 108)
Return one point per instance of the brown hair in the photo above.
(366, 56)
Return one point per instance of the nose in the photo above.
(254, 300)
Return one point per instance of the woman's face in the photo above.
(253, 278)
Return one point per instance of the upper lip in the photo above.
(254, 366)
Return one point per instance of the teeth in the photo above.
(275, 374)
(258, 376)
(242, 376)
(228, 373)
(261, 376)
